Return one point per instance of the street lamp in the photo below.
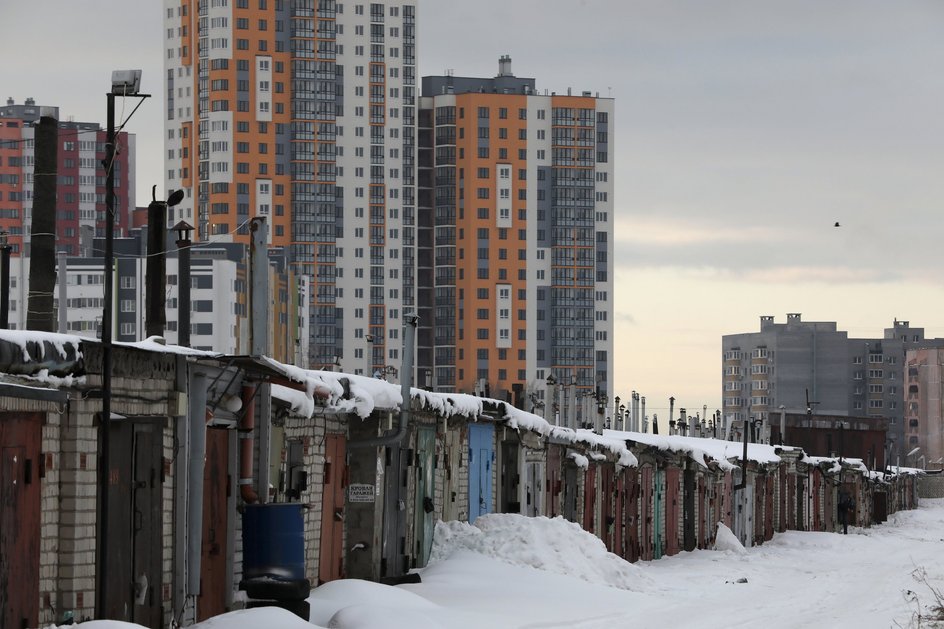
(123, 83)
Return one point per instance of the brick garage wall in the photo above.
(311, 433)
(78, 490)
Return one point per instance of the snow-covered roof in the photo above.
(703, 450)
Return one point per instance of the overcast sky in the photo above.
(744, 131)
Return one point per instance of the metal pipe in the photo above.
(197, 418)
(259, 298)
(406, 381)
(4, 283)
(63, 295)
(743, 483)
(247, 423)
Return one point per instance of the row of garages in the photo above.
(230, 472)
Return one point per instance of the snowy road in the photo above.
(796, 580)
(488, 578)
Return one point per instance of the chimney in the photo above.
(40, 314)
(30, 102)
(9, 100)
(504, 66)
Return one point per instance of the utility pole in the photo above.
(123, 83)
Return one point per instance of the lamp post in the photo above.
(4, 281)
(184, 230)
(123, 83)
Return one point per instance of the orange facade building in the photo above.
(516, 208)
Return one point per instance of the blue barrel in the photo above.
(273, 541)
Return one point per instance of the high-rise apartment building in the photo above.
(80, 178)
(515, 264)
(304, 112)
(793, 363)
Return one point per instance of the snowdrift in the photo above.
(554, 545)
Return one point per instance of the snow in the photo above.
(703, 450)
(581, 461)
(271, 617)
(58, 341)
(551, 544)
(355, 603)
(725, 539)
(158, 344)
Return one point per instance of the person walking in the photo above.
(846, 509)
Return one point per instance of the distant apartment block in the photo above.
(788, 364)
(218, 298)
(924, 407)
(515, 229)
(80, 178)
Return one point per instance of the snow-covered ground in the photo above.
(510, 571)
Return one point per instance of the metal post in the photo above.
(104, 463)
(4, 282)
(259, 344)
(63, 294)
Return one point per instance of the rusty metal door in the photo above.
(213, 559)
(510, 475)
(569, 495)
(727, 500)
(331, 553)
(632, 514)
(673, 505)
(646, 541)
(146, 516)
(20, 465)
(607, 495)
(590, 498)
(424, 488)
(769, 510)
(619, 514)
(553, 481)
(704, 511)
(689, 499)
(453, 454)
(760, 501)
(133, 590)
(816, 492)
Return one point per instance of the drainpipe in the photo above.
(247, 424)
(259, 345)
(197, 419)
(406, 381)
